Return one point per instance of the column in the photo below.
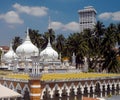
(93, 91)
(82, 90)
(105, 90)
(101, 90)
(88, 91)
(115, 86)
(110, 89)
(60, 94)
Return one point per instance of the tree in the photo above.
(50, 34)
(60, 43)
(16, 42)
(36, 38)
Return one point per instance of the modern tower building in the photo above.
(87, 18)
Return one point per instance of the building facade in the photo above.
(87, 18)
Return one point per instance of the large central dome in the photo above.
(27, 49)
(49, 52)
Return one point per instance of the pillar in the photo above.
(35, 89)
(101, 90)
(93, 91)
(105, 90)
(88, 88)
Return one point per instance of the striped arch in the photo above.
(74, 87)
(56, 86)
(98, 82)
(46, 87)
(113, 82)
(18, 87)
(86, 84)
(91, 84)
(65, 85)
(5, 84)
(79, 85)
(24, 88)
(11, 86)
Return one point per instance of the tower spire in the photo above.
(49, 23)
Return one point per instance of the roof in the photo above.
(86, 98)
(6, 48)
(8, 93)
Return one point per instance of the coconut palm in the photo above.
(16, 41)
(36, 38)
(60, 43)
(50, 34)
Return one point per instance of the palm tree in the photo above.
(77, 44)
(110, 55)
(16, 42)
(60, 43)
(36, 38)
(50, 34)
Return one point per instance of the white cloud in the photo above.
(115, 16)
(11, 17)
(105, 15)
(34, 11)
(56, 25)
(72, 26)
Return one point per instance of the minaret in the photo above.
(49, 23)
(49, 26)
(73, 59)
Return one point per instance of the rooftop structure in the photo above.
(87, 18)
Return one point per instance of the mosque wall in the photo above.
(34, 89)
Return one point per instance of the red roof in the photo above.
(86, 98)
(5, 48)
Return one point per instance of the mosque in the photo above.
(27, 55)
(43, 76)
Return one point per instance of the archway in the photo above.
(72, 94)
(64, 94)
(56, 94)
(85, 91)
(103, 91)
(108, 89)
(97, 89)
(79, 93)
(46, 95)
(91, 91)
(26, 95)
(117, 89)
(113, 89)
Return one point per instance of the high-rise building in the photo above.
(87, 18)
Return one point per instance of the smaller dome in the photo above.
(27, 49)
(10, 55)
(49, 52)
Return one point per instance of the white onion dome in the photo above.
(10, 55)
(49, 52)
(27, 48)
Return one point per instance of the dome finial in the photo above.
(27, 35)
(11, 46)
(49, 44)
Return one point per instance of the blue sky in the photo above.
(17, 15)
